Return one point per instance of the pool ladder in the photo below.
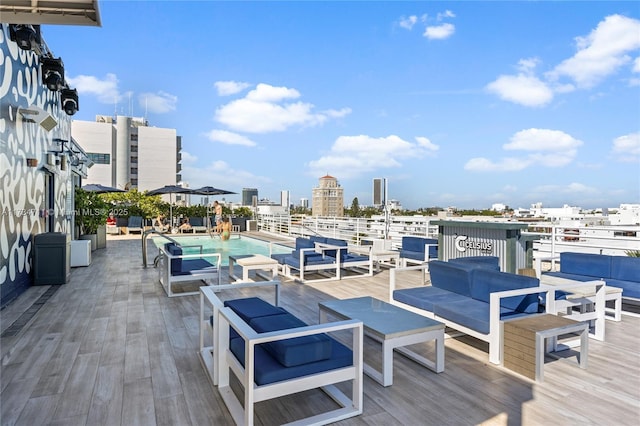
(145, 234)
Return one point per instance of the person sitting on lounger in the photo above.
(226, 229)
(185, 225)
(111, 220)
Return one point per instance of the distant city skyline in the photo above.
(454, 103)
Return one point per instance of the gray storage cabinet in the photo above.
(51, 258)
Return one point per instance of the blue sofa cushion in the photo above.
(294, 351)
(426, 297)
(318, 239)
(193, 265)
(594, 265)
(455, 277)
(575, 277)
(487, 281)
(629, 288)
(472, 313)
(269, 370)
(303, 243)
(625, 268)
(413, 248)
(338, 243)
(294, 261)
(253, 307)
(350, 257)
(491, 262)
(176, 264)
(280, 257)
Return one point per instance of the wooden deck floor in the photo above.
(109, 348)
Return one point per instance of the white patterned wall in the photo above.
(22, 188)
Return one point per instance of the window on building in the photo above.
(134, 170)
(134, 148)
(134, 160)
(134, 137)
(134, 182)
(99, 158)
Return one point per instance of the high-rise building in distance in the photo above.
(247, 196)
(328, 198)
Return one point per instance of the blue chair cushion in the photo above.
(413, 248)
(426, 297)
(303, 243)
(253, 307)
(297, 350)
(350, 257)
(318, 239)
(310, 260)
(176, 264)
(189, 266)
(594, 265)
(338, 243)
(280, 257)
(487, 281)
(269, 370)
(629, 288)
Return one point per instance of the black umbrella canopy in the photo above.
(100, 189)
(170, 189)
(210, 190)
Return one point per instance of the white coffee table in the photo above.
(394, 327)
(249, 262)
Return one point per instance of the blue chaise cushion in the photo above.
(294, 351)
(426, 297)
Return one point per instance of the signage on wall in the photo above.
(463, 243)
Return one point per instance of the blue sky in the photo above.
(461, 104)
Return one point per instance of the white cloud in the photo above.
(356, 155)
(188, 158)
(408, 23)
(627, 148)
(572, 188)
(159, 103)
(439, 32)
(229, 138)
(265, 110)
(105, 90)
(221, 175)
(226, 88)
(636, 65)
(521, 89)
(544, 147)
(445, 14)
(602, 52)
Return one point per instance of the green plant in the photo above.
(633, 253)
(91, 211)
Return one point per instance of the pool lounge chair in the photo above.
(197, 224)
(176, 266)
(134, 224)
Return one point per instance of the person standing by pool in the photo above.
(225, 234)
(217, 209)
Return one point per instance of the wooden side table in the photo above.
(523, 342)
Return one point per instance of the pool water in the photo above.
(234, 246)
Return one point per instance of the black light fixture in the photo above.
(69, 101)
(53, 73)
(27, 37)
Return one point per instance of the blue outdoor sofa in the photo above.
(618, 271)
(472, 299)
(329, 257)
(273, 353)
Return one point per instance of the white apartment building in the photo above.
(128, 153)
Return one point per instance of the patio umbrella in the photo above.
(170, 189)
(210, 190)
(100, 189)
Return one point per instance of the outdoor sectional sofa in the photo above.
(418, 250)
(175, 266)
(327, 256)
(618, 271)
(472, 299)
(273, 353)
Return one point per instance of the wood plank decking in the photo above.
(109, 348)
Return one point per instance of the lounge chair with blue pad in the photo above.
(134, 224)
(418, 250)
(178, 264)
(197, 224)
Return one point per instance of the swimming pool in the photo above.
(234, 246)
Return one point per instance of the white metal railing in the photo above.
(549, 239)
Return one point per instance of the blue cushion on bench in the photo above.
(594, 265)
(294, 261)
(625, 268)
(189, 266)
(486, 281)
(491, 262)
(303, 243)
(455, 277)
(269, 370)
(426, 297)
(174, 250)
(318, 239)
(253, 307)
(472, 313)
(294, 351)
